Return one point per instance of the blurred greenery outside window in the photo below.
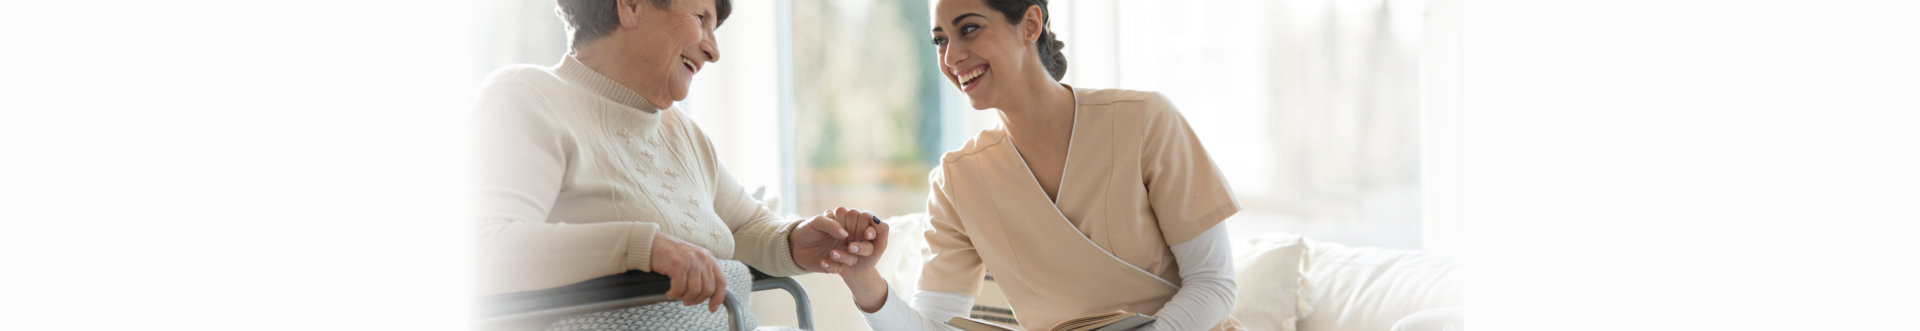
(866, 105)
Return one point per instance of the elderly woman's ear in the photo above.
(629, 12)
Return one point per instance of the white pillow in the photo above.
(1370, 289)
(906, 253)
(1268, 278)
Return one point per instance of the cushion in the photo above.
(670, 315)
(1370, 289)
(1268, 276)
(906, 253)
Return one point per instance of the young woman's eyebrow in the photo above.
(956, 20)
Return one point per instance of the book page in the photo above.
(1088, 323)
(974, 325)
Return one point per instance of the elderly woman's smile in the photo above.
(653, 47)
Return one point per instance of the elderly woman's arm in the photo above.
(521, 157)
(761, 239)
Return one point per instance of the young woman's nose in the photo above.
(955, 54)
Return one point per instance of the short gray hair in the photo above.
(591, 19)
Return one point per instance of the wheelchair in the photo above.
(630, 289)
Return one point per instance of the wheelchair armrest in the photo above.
(631, 284)
(629, 289)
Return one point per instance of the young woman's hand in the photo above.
(694, 272)
(820, 245)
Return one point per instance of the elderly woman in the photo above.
(586, 170)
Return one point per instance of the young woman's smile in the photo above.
(971, 77)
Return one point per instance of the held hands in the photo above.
(869, 289)
(694, 273)
(859, 221)
(828, 242)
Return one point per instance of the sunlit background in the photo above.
(1312, 108)
(1635, 164)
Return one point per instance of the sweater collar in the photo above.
(580, 75)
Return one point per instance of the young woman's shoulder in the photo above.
(985, 139)
(1153, 108)
(1152, 103)
(1107, 96)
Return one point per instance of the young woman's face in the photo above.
(673, 44)
(979, 52)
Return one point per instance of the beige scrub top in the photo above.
(1136, 181)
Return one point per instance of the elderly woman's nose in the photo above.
(712, 48)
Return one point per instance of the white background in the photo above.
(1664, 165)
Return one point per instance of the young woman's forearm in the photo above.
(929, 312)
(884, 310)
(1207, 287)
(869, 290)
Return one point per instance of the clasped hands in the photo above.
(824, 243)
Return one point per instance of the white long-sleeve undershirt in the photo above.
(1204, 299)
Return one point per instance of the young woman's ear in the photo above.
(1032, 23)
(629, 12)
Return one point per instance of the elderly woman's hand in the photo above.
(826, 244)
(694, 273)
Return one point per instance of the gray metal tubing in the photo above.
(803, 307)
(738, 321)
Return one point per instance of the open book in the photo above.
(1118, 320)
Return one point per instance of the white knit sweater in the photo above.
(576, 173)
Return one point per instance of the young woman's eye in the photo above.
(939, 41)
(965, 30)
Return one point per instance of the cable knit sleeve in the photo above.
(521, 159)
(760, 238)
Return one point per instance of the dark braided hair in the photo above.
(1047, 46)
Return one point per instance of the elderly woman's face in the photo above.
(672, 44)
